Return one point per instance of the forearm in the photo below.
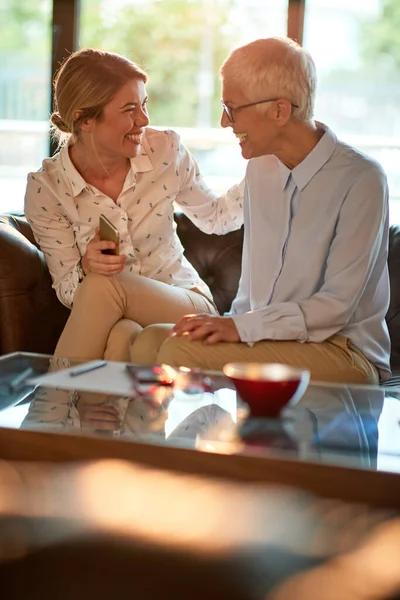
(283, 321)
(212, 214)
(55, 236)
(313, 320)
(209, 212)
(66, 286)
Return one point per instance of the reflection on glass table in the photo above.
(353, 426)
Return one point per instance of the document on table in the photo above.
(110, 379)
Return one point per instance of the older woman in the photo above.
(110, 162)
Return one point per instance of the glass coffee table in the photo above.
(338, 440)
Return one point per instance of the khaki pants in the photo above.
(334, 360)
(109, 313)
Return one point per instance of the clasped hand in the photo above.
(100, 417)
(208, 328)
(94, 261)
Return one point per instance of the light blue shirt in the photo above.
(315, 250)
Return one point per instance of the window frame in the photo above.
(64, 40)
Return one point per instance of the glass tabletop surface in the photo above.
(344, 425)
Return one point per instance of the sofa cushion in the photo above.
(217, 259)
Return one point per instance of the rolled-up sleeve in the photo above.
(55, 236)
(209, 212)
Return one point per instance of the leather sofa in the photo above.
(32, 318)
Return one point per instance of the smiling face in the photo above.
(256, 131)
(118, 132)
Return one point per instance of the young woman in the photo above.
(110, 162)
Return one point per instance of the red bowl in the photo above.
(267, 387)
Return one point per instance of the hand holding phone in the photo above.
(102, 252)
(109, 233)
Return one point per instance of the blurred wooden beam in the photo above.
(295, 27)
(364, 486)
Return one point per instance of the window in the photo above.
(356, 49)
(182, 44)
(25, 56)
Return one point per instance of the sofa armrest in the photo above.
(32, 318)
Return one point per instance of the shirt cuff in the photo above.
(80, 271)
(250, 327)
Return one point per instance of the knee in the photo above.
(177, 352)
(93, 285)
(120, 340)
(145, 349)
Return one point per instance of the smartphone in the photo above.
(109, 233)
(148, 375)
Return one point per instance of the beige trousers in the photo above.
(109, 313)
(334, 360)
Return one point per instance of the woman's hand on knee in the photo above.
(207, 328)
(94, 261)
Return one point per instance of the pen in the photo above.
(19, 380)
(88, 367)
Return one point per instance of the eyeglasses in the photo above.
(229, 111)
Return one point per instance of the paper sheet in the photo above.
(110, 379)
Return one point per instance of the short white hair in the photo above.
(275, 68)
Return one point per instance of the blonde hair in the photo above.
(87, 81)
(276, 68)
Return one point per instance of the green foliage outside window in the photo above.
(25, 58)
(25, 28)
(381, 38)
(180, 43)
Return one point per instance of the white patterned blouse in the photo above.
(64, 211)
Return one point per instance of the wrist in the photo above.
(84, 265)
(82, 270)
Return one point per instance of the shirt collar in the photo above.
(285, 174)
(74, 177)
(142, 163)
(314, 161)
(139, 164)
